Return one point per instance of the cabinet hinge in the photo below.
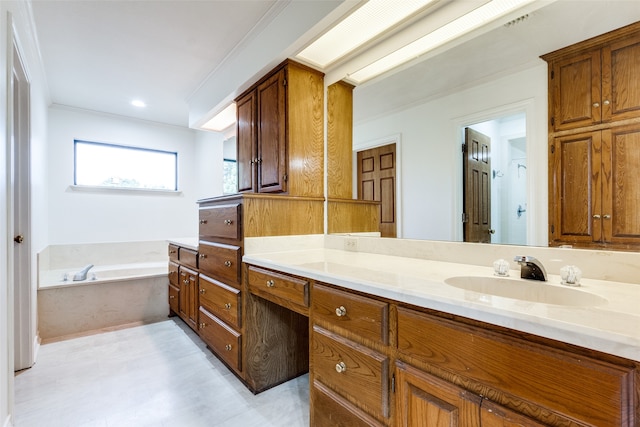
(553, 121)
(553, 74)
(553, 229)
(464, 148)
(553, 149)
(393, 383)
(284, 82)
(285, 177)
(464, 217)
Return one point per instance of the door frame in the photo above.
(374, 143)
(536, 167)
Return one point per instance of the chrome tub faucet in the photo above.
(82, 274)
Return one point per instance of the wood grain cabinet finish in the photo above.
(221, 261)
(278, 287)
(223, 340)
(188, 301)
(220, 222)
(173, 252)
(554, 386)
(332, 410)
(366, 317)
(280, 142)
(355, 372)
(188, 257)
(594, 128)
(174, 299)
(221, 300)
(183, 277)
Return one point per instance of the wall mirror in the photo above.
(497, 75)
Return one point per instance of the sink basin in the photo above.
(525, 291)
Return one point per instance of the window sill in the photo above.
(123, 190)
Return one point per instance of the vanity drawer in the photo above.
(366, 317)
(174, 299)
(220, 222)
(331, 410)
(353, 371)
(222, 339)
(221, 261)
(221, 300)
(173, 252)
(268, 283)
(174, 277)
(188, 257)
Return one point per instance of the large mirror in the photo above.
(493, 81)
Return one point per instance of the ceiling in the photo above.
(188, 59)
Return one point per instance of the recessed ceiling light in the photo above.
(369, 21)
(138, 103)
(223, 119)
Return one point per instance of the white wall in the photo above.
(119, 216)
(209, 146)
(15, 22)
(431, 158)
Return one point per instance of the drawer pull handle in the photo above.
(203, 221)
(185, 281)
(340, 367)
(228, 222)
(606, 216)
(202, 291)
(203, 256)
(202, 325)
(172, 252)
(228, 347)
(270, 283)
(172, 296)
(341, 311)
(227, 306)
(227, 263)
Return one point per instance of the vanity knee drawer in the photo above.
(353, 371)
(220, 222)
(222, 339)
(221, 261)
(366, 317)
(269, 283)
(221, 300)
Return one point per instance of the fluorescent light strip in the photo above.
(222, 120)
(442, 35)
(370, 20)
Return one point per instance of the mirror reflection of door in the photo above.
(477, 187)
(508, 176)
(377, 181)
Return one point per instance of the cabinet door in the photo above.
(184, 294)
(620, 89)
(423, 400)
(575, 183)
(494, 415)
(271, 132)
(246, 142)
(575, 91)
(188, 296)
(621, 186)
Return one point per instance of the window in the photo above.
(109, 165)
(230, 179)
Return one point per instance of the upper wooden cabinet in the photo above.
(280, 143)
(595, 81)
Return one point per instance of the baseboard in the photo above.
(37, 341)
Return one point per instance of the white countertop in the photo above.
(185, 242)
(611, 327)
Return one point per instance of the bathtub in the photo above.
(131, 289)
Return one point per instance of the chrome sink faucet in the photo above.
(82, 274)
(531, 268)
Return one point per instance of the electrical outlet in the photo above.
(351, 244)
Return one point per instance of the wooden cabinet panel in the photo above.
(173, 252)
(188, 257)
(221, 261)
(494, 415)
(353, 371)
(272, 134)
(423, 400)
(267, 283)
(221, 300)
(174, 299)
(174, 277)
(555, 380)
(620, 90)
(330, 410)
(188, 301)
(246, 142)
(224, 341)
(365, 317)
(220, 222)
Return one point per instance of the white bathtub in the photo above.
(130, 287)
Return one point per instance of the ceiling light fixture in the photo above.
(222, 120)
(369, 21)
(462, 25)
(138, 103)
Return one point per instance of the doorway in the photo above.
(24, 310)
(508, 176)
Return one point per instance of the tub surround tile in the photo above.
(414, 272)
(79, 255)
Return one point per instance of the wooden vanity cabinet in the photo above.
(280, 142)
(183, 283)
(188, 301)
(594, 128)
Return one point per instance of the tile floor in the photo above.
(147, 376)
